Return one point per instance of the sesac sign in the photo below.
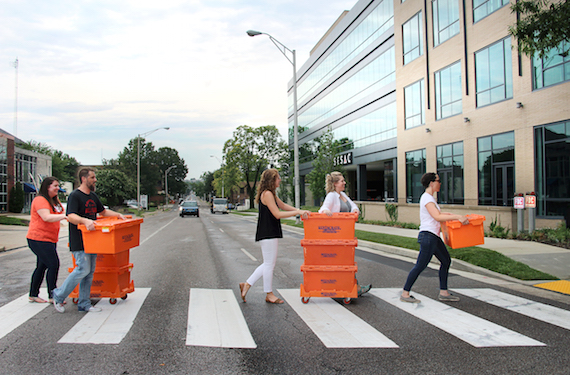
(344, 159)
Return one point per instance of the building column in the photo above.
(361, 182)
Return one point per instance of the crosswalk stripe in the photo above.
(335, 325)
(536, 310)
(17, 312)
(469, 328)
(215, 319)
(110, 325)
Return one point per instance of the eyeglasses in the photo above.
(438, 180)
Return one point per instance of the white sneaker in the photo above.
(58, 307)
(90, 309)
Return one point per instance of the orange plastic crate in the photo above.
(111, 235)
(329, 252)
(339, 226)
(457, 235)
(329, 281)
(106, 261)
(112, 283)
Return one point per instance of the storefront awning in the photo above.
(29, 188)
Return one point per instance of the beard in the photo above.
(91, 187)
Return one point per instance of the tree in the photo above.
(16, 199)
(167, 157)
(543, 26)
(324, 163)
(114, 186)
(229, 176)
(251, 150)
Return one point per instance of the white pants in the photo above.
(269, 249)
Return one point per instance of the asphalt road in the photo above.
(178, 256)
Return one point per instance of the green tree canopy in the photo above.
(251, 150)
(324, 162)
(543, 26)
(114, 186)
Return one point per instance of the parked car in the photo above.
(220, 205)
(189, 208)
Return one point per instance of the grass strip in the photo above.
(478, 256)
(5, 220)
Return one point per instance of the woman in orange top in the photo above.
(43, 235)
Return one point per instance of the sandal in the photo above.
(36, 300)
(277, 301)
(243, 288)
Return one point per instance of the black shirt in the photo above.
(84, 205)
(267, 225)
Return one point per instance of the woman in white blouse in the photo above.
(337, 201)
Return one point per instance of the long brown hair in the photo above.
(268, 178)
(331, 179)
(46, 183)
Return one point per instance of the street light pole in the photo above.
(139, 163)
(166, 183)
(282, 48)
(223, 170)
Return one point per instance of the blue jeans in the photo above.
(82, 275)
(430, 245)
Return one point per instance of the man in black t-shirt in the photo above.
(83, 205)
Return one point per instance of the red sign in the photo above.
(519, 202)
(530, 201)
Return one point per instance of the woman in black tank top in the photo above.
(268, 232)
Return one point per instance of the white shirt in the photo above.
(332, 202)
(427, 222)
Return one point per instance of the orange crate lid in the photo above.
(473, 220)
(106, 224)
(333, 242)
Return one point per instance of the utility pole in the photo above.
(16, 101)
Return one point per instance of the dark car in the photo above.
(189, 208)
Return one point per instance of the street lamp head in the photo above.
(253, 32)
(166, 128)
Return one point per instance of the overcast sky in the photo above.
(94, 74)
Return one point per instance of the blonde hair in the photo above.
(331, 179)
(268, 178)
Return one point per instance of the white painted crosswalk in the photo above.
(215, 319)
(110, 325)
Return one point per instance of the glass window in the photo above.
(448, 93)
(482, 8)
(412, 38)
(415, 169)
(414, 102)
(450, 171)
(494, 73)
(496, 160)
(552, 150)
(445, 20)
(552, 68)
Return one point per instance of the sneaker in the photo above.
(90, 309)
(363, 289)
(449, 298)
(58, 306)
(410, 299)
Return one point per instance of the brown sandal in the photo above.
(277, 301)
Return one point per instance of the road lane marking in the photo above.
(546, 313)
(149, 237)
(17, 312)
(215, 319)
(221, 230)
(469, 328)
(335, 325)
(110, 325)
(249, 255)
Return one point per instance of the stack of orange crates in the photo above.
(111, 240)
(329, 269)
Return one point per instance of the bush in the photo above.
(392, 211)
(16, 200)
